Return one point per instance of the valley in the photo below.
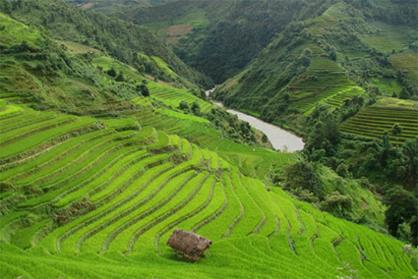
(302, 162)
(279, 138)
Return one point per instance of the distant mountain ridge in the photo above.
(223, 36)
(329, 56)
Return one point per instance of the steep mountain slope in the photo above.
(112, 6)
(125, 41)
(376, 120)
(220, 37)
(350, 50)
(97, 195)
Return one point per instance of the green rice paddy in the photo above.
(93, 198)
(374, 121)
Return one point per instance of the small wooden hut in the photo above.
(189, 245)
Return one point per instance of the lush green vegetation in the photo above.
(396, 118)
(328, 59)
(346, 81)
(387, 159)
(210, 35)
(114, 190)
(124, 41)
(108, 144)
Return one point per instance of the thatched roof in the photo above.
(189, 245)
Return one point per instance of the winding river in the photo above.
(280, 139)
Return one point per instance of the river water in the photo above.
(280, 139)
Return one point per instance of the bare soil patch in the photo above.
(176, 32)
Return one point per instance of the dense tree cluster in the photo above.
(382, 162)
(302, 176)
(220, 54)
(236, 129)
(402, 209)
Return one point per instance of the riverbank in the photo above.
(280, 138)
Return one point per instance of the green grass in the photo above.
(164, 67)
(106, 63)
(78, 48)
(173, 96)
(386, 38)
(387, 86)
(407, 62)
(14, 32)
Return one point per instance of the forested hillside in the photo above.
(338, 55)
(210, 35)
(112, 6)
(108, 143)
(125, 41)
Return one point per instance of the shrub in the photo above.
(5, 187)
(63, 216)
(303, 175)
(143, 90)
(195, 108)
(112, 72)
(402, 209)
(338, 204)
(342, 170)
(396, 129)
(184, 106)
(307, 196)
(120, 77)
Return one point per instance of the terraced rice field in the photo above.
(323, 82)
(252, 160)
(88, 198)
(173, 96)
(374, 121)
(407, 62)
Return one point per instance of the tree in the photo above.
(286, 98)
(6, 7)
(414, 230)
(303, 175)
(332, 131)
(404, 94)
(325, 135)
(403, 208)
(143, 90)
(184, 106)
(120, 77)
(342, 170)
(396, 129)
(338, 204)
(112, 72)
(195, 108)
(384, 151)
(409, 152)
(333, 54)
